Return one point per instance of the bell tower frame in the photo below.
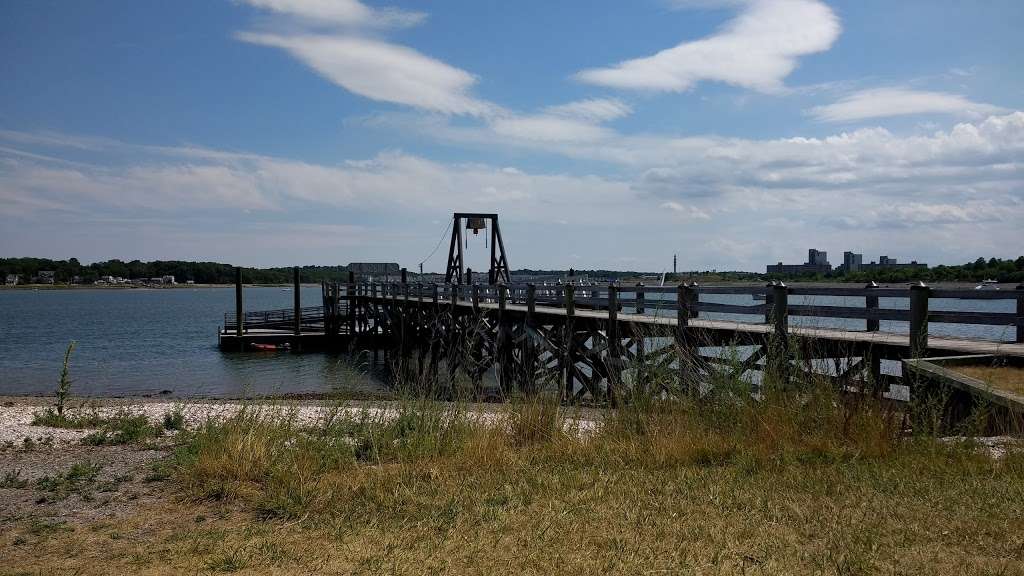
(498, 271)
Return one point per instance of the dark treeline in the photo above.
(65, 271)
(199, 272)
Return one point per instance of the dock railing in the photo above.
(796, 301)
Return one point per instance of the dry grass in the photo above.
(796, 485)
(1008, 378)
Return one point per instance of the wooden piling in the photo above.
(686, 309)
(640, 303)
(778, 347)
(568, 343)
(1020, 314)
(614, 344)
(874, 359)
(919, 294)
(239, 308)
(375, 344)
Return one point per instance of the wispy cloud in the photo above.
(382, 71)
(339, 12)
(366, 66)
(886, 102)
(593, 109)
(758, 49)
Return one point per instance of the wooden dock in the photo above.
(596, 340)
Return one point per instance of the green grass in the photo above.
(802, 480)
(123, 428)
(79, 479)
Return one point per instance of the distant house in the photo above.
(46, 277)
(12, 279)
(167, 280)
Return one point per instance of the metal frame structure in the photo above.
(498, 272)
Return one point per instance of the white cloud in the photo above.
(548, 128)
(339, 12)
(758, 49)
(685, 211)
(593, 109)
(382, 71)
(885, 102)
(949, 196)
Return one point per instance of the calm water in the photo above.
(135, 342)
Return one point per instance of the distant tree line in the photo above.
(65, 271)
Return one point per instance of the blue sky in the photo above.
(606, 134)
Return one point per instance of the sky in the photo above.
(605, 134)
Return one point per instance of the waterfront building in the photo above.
(852, 262)
(817, 263)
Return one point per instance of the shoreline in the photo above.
(144, 287)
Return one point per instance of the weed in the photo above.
(64, 384)
(79, 479)
(123, 428)
(174, 420)
(13, 479)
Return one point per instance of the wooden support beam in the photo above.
(503, 344)
(376, 322)
(529, 358)
(568, 343)
(1020, 314)
(239, 308)
(778, 346)
(614, 344)
(919, 295)
(871, 303)
(687, 300)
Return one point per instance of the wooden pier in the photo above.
(594, 342)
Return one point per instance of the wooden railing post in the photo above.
(873, 325)
(778, 342)
(614, 344)
(919, 294)
(1020, 314)
(871, 303)
(640, 304)
(568, 342)
(686, 309)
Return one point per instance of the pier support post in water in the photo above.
(297, 299)
(919, 320)
(239, 308)
(778, 342)
(1020, 314)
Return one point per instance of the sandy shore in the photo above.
(16, 414)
